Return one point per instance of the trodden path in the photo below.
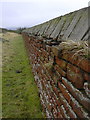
(19, 92)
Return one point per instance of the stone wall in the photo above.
(61, 67)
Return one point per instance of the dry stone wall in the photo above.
(62, 75)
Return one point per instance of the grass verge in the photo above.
(20, 93)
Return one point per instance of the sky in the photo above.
(27, 13)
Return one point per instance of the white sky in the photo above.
(27, 13)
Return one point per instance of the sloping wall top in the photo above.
(72, 26)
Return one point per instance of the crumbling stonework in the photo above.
(61, 73)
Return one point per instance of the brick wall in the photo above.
(62, 75)
(62, 78)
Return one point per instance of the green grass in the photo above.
(20, 93)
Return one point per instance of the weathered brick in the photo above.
(49, 107)
(53, 102)
(58, 102)
(67, 107)
(77, 94)
(80, 61)
(85, 65)
(76, 107)
(55, 113)
(48, 65)
(48, 75)
(40, 45)
(61, 71)
(86, 76)
(56, 77)
(64, 91)
(74, 102)
(43, 84)
(59, 115)
(78, 110)
(75, 76)
(63, 112)
(55, 90)
(87, 88)
(61, 63)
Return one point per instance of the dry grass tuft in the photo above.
(79, 47)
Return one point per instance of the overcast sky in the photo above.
(27, 13)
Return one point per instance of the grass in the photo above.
(20, 93)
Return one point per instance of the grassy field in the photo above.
(20, 94)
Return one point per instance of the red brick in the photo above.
(48, 75)
(63, 112)
(55, 80)
(77, 109)
(75, 76)
(61, 63)
(64, 92)
(62, 72)
(49, 107)
(43, 84)
(59, 115)
(77, 94)
(86, 76)
(39, 45)
(80, 61)
(75, 106)
(69, 111)
(55, 113)
(56, 77)
(55, 90)
(53, 102)
(71, 114)
(58, 102)
(85, 65)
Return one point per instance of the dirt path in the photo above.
(20, 94)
